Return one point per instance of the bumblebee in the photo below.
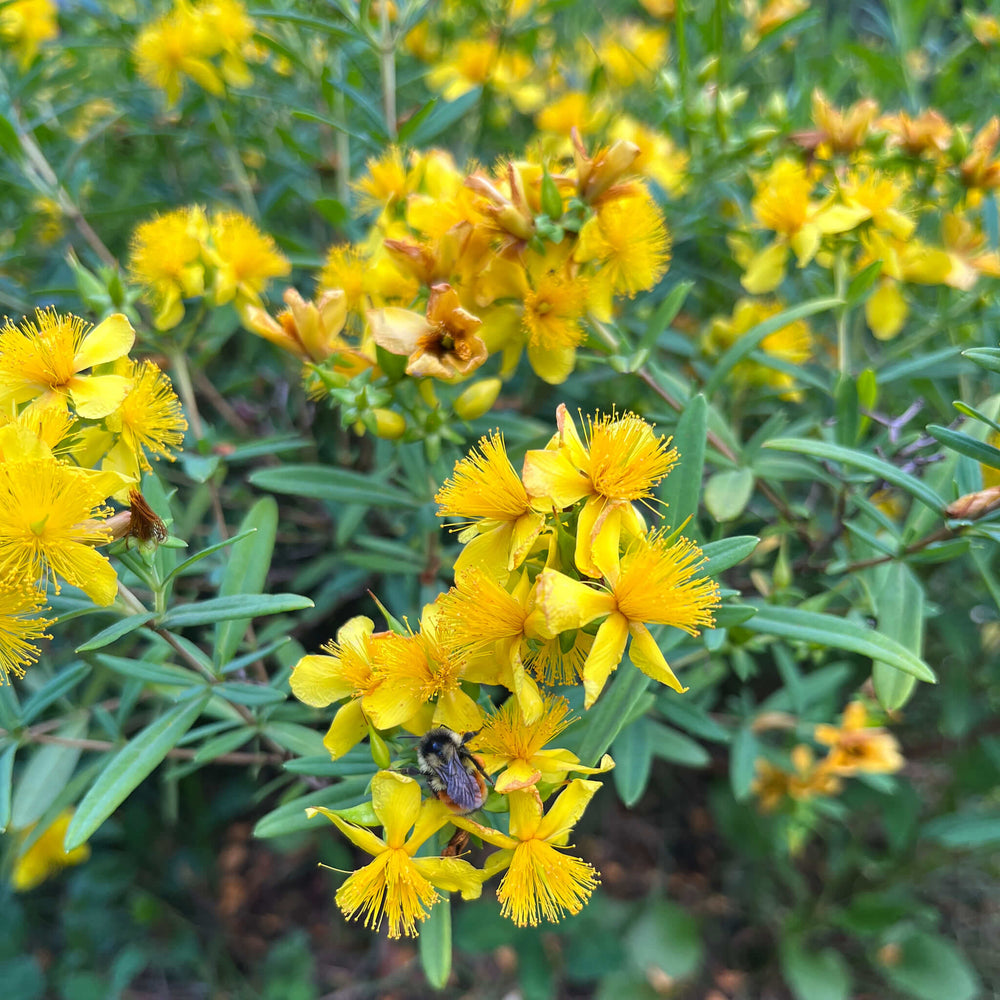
(454, 774)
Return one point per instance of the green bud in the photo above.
(478, 398)
(379, 749)
(552, 204)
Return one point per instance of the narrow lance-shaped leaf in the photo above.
(246, 572)
(861, 460)
(837, 633)
(130, 765)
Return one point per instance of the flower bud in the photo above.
(389, 424)
(478, 398)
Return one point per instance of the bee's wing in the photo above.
(461, 786)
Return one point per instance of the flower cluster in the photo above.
(558, 574)
(856, 746)
(186, 255)
(79, 421)
(890, 189)
(26, 24)
(522, 259)
(206, 43)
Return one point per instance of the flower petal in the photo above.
(562, 604)
(567, 809)
(357, 835)
(315, 681)
(348, 729)
(396, 800)
(95, 396)
(604, 656)
(647, 656)
(452, 875)
(397, 330)
(108, 341)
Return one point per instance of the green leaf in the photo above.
(218, 609)
(198, 556)
(965, 830)
(633, 758)
(680, 490)
(815, 975)
(113, 632)
(302, 740)
(668, 744)
(869, 463)
(752, 338)
(899, 607)
(978, 451)
(611, 712)
(48, 770)
(929, 968)
(246, 572)
(971, 411)
(54, 689)
(130, 765)
(149, 672)
(10, 141)
(6, 781)
(985, 357)
(321, 482)
(291, 817)
(666, 313)
(837, 633)
(665, 937)
(742, 757)
(727, 493)
(250, 694)
(222, 744)
(727, 552)
(434, 944)
(861, 284)
(444, 116)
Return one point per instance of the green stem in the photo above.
(843, 331)
(241, 179)
(680, 17)
(387, 50)
(342, 138)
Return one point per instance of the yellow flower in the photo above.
(620, 462)
(44, 360)
(628, 242)
(858, 746)
(792, 343)
(483, 620)
(245, 258)
(969, 252)
(658, 159)
(50, 522)
(486, 488)
(573, 110)
(772, 785)
(420, 681)
(347, 673)
(20, 627)
(555, 301)
(345, 270)
(655, 582)
(839, 131)
(149, 420)
(386, 182)
(442, 344)
(630, 52)
(541, 881)
(468, 64)
(980, 171)
(783, 203)
(909, 260)
(25, 24)
(166, 260)
(46, 855)
(509, 741)
(928, 134)
(985, 28)
(310, 330)
(180, 44)
(396, 885)
(761, 22)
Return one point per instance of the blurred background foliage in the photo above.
(840, 445)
